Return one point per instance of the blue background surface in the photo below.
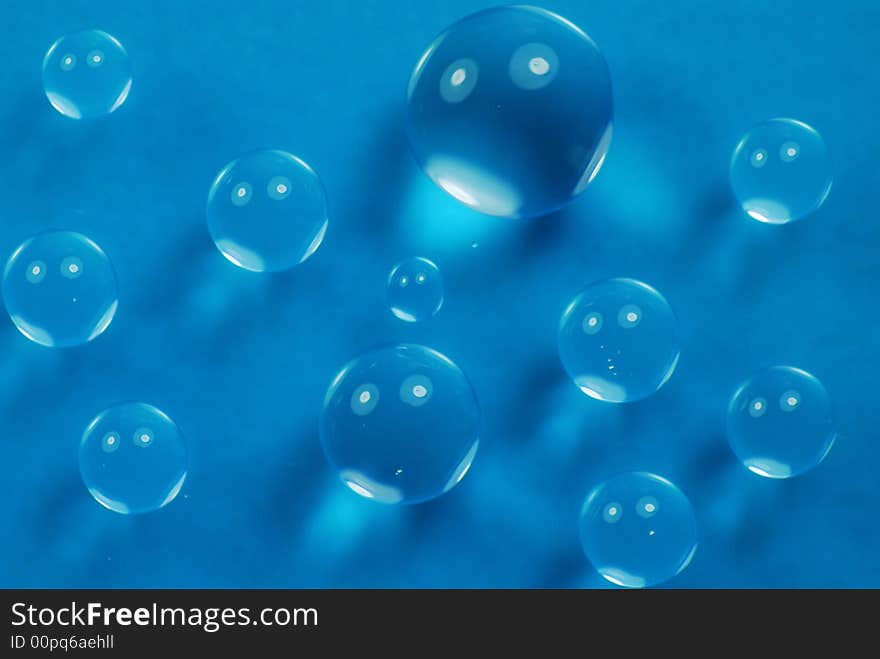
(241, 361)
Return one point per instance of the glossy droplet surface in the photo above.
(267, 211)
(509, 111)
(415, 289)
(780, 171)
(60, 289)
(618, 340)
(86, 74)
(133, 458)
(638, 529)
(400, 424)
(780, 422)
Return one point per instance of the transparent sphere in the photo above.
(400, 424)
(60, 289)
(267, 211)
(415, 289)
(86, 74)
(780, 171)
(618, 340)
(509, 111)
(780, 422)
(133, 459)
(638, 530)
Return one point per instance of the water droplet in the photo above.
(509, 111)
(623, 361)
(67, 303)
(135, 476)
(420, 435)
(784, 439)
(415, 303)
(638, 530)
(790, 184)
(267, 211)
(93, 90)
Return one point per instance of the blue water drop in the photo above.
(267, 211)
(60, 289)
(509, 111)
(415, 289)
(400, 424)
(780, 422)
(618, 340)
(780, 171)
(86, 74)
(133, 458)
(638, 530)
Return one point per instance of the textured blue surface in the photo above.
(241, 361)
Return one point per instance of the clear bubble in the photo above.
(638, 530)
(415, 289)
(60, 289)
(133, 458)
(400, 424)
(86, 74)
(780, 171)
(267, 211)
(509, 111)
(780, 422)
(618, 340)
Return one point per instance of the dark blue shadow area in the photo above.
(241, 361)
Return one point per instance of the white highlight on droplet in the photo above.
(789, 151)
(757, 408)
(612, 513)
(789, 401)
(539, 66)
(95, 58)
(759, 158)
(592, 323)
(68, 62)
(629, 316)
(364, 399)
